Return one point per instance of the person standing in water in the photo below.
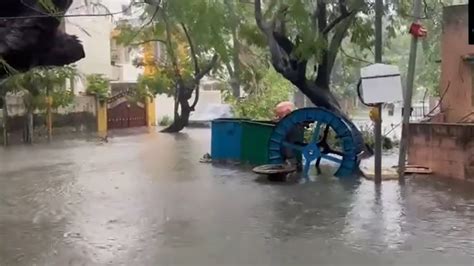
(296, 135)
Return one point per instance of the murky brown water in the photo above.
(146, 200)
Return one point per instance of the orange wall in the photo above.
(458, 101)
(448, 149)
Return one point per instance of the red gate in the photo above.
(124, 114)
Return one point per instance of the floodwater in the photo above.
(146, 200)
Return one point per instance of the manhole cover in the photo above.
(270, 169)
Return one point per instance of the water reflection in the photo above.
(146, 200)
(316, 209)
(32, 208)
(376, 217)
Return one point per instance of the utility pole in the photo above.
(5, 119)
(49, 118)
(378, 120)
(408, 96)
(3, 95)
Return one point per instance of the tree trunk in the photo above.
(5, 121)
(49, 122)
(236, 61)
(49, 118)
(28, 135)
(181, 116)
(72, 85)
(287, 63)
(234, 70)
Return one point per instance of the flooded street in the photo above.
(146, 200)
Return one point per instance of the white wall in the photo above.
(123, 57)
(130, 73)
(94, 33)
(16, 106)
(164, 105)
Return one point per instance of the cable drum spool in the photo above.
(317, 148)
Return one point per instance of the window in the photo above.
(391, 109)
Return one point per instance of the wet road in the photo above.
(146, 200)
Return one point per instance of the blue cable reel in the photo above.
(287, 141)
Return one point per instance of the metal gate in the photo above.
(122, 113)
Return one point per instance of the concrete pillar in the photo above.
(150, 112)
(101, 118)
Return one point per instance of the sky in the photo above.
(115, 5)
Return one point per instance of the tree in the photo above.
(243, 63)
(98, 86)
(178, 30)
(36, 41)
(261, 100)
(303, 36)
(42, 89)
(428, 65)
(397, 45)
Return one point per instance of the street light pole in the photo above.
(408, 96)
(378, 120)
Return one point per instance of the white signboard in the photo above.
(381, 83)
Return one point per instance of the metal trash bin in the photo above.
(226, 135)
(254, 143)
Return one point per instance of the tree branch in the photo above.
(337, 39)
(336, 21)
(284, 42)
(170, 49)
(259, 17)
(343, 7)
(354, 57)
(321, 15)
(322, 76)
(344, 14)
(147, 41)
(278, 22)
(198, 78)
(207, 68)
(330, 53)
(196, 96)
(155, 13)
(229, 69)
(192, 50)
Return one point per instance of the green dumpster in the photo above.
(255, 138)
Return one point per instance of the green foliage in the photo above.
(165, 121)
(369, 138)
(207, 33)
(335, 143)
(428, 66)
(48, 5)
(260, 103)
(7, 67)
(211, 24)
(98, 85)
(156, 84)
(396, 49)
(61, 98)
(40, 83)
(184, 38)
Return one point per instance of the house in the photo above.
(446, 143)
(116, 62)
(125, 72)
(94, 34)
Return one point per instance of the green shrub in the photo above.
(98, 85)
(165, 121)
(367, 134)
